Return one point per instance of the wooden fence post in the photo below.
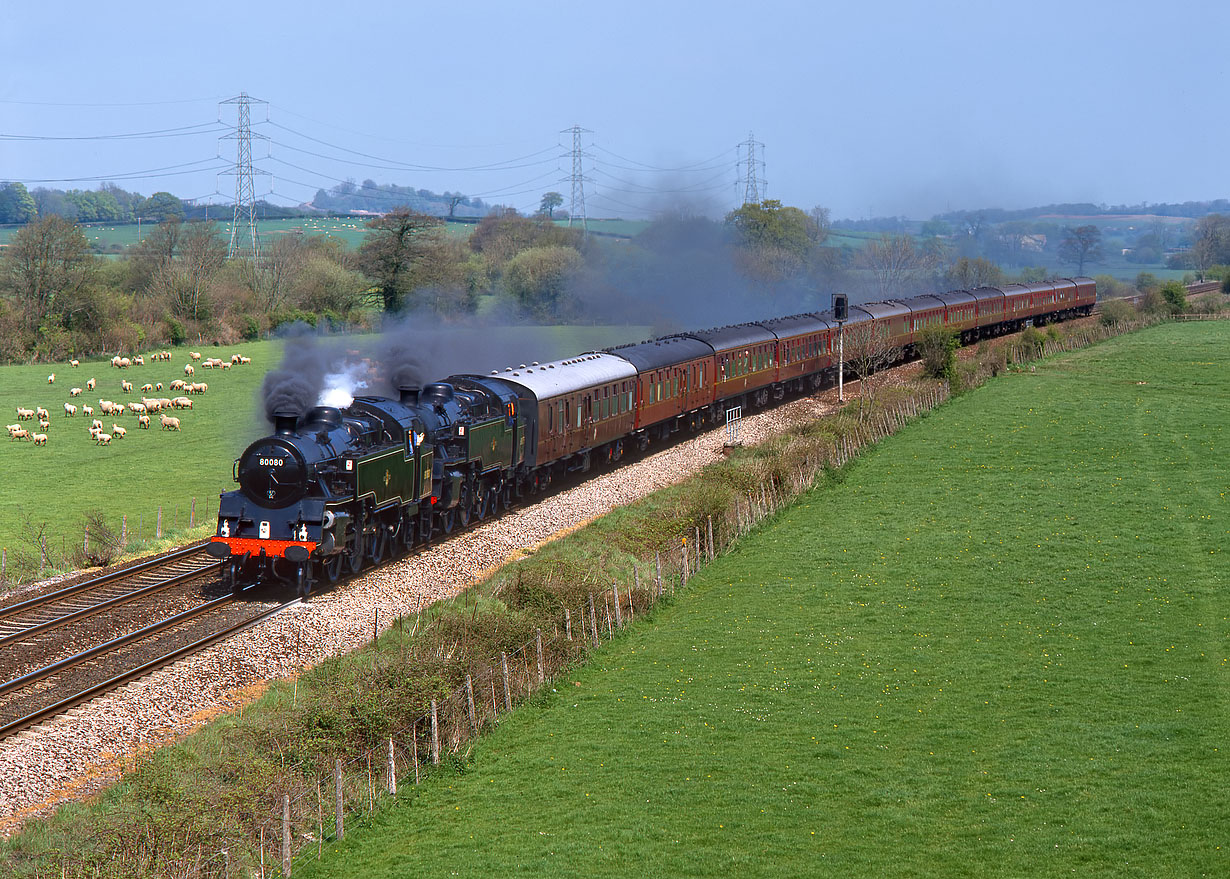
(568, 623)
(470, 703)
(538, 643)
(619, 614)
(658, 560)
(192, 514)
(158, 530)
(339, 824)
(285, 834)
(392, 770)
(504, 675)
(683, 558)
(85, 544)
(124, 530)
(710, 541)
(593, 619)
(435, 733)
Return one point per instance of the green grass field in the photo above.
(57, 485)
(995, 646)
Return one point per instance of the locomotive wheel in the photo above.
(331, 567)
(448, 520)
(377, 543)
(463, 511)
(482, 505)
(354, 558)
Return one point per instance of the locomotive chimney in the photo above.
(409, 394)
(284, 422)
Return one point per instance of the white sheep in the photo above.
(40, 439)
(51, 379)
(143, 421)
(44, 424)
(42, 413)
(12, 427)
(115, 361)
(106, 406)
(137, 408)
(24, 414)
(87, 410)
(19, 433)
(178, 385)
(125, 363)
(168, 423)
(118, 431)
(147, 388)
(158, 386)
(245, 361)
(195, 355)
(91, 384)
(117, 409)
(182, 403)
(94, 432)
(188, 370)
(97, 423)
(74, 392)
(126, 387)
(103, 439)
(138, 360)
(69, 410)
(74, 363)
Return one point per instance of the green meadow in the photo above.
(996, 645)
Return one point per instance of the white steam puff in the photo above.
(340, 387)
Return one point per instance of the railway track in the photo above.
(39, 682)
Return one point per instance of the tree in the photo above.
(394, 244)
(969, 274)
(770, 224)
(538, 278)
(1211, 244)
(16, 204)
(895, 262)
(550, 201)
(187, 281)
(937, 346)
(45, 259)
(868, 349)
(161, 206)
(1175, 295)
(1080, 245)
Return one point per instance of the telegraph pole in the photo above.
(245, 192)
(753, 184)
(577, 207)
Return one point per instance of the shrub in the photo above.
(938, 348)
(1175, 295)
(176, 332)
(1116, 311)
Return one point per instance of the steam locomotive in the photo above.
(337, 489)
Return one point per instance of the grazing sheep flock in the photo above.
(142, 410)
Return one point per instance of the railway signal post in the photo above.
(841, 311)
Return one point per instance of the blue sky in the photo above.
(885, 108)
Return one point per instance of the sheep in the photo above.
(137, 408)
(40, 439)
(51, 379)
(147, 388)
(182, 403)
(42, 413)
(178, 384)
(69, 410)
(245, 361)
(195, 355)
(12, 427)
(24, 414)
(158, 386)
(151, 404)
(168, 423)
(115, 361)
(125, 363)
(117, 409)
(225, 365)
(91, 384)
(106, 406)
(143, 422)
(138, 360)
(126, 387)
(94, 432)
(234, 359)
(164, 403)
(188, 370)
(103, 439)
(87, 410)
(118, 432)
(74, 363)
(43, 424)
(97, 423)
(74, 392)
(19, 433)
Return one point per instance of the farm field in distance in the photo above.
(997, 644)
(54, 487)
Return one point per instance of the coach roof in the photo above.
(571, 374)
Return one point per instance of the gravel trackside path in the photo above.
(76, 754)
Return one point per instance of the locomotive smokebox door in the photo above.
(841, 306)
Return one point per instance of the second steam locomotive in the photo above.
(335, 489)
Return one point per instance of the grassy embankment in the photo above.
(997, 645)
(54, 488)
